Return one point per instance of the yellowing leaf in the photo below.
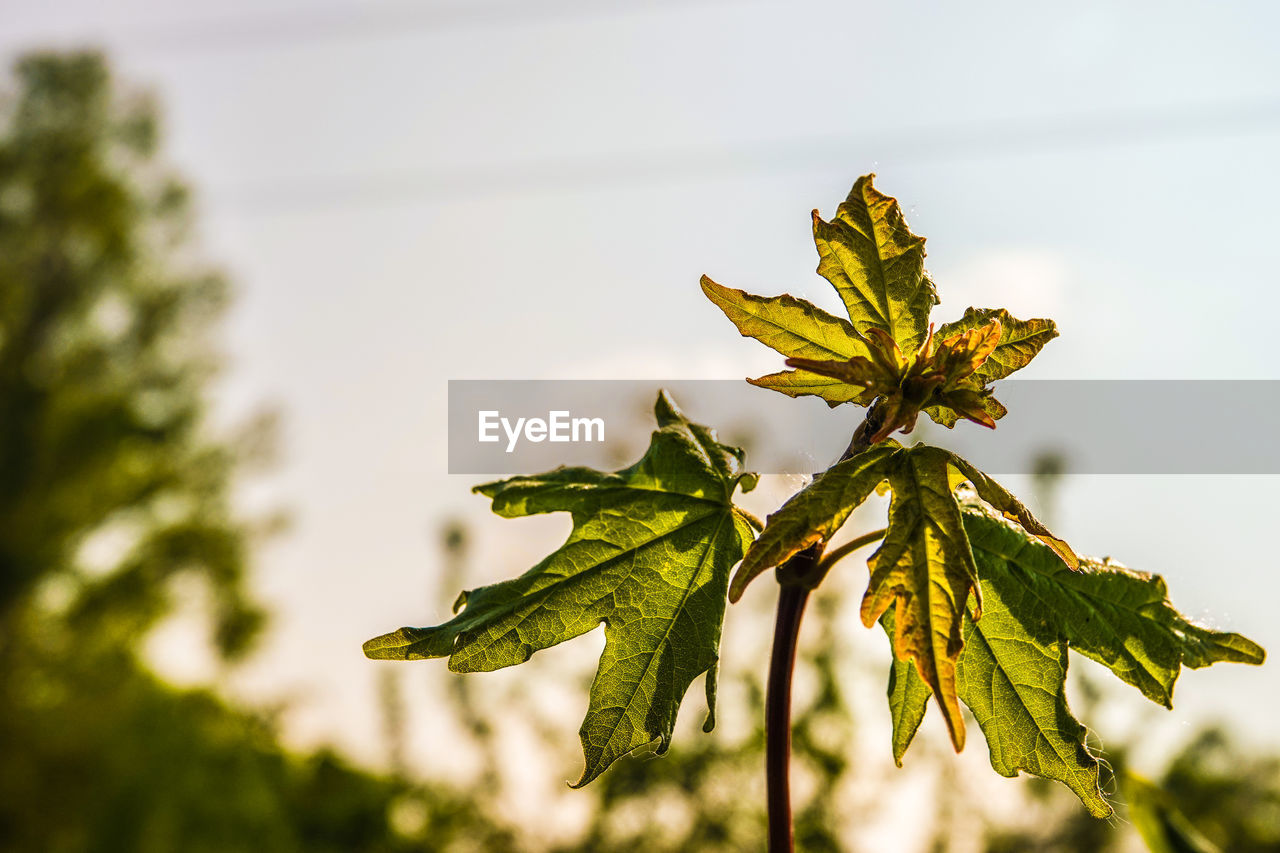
(908, 696)
(925, 568)
(1020, 340)
(1017, 344)
(649, 556)
(876, 265)
(1012, 670)
(936, 378)
(797, 328)
(789, 325)
(798, 383)
(960, 355)
(887, 350)
(945, 411)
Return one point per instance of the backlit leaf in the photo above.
(926, 570)
(908, 697)
(799, 383)
(949, 417)
(1012, 670)
(649, 556)
(1020, 340)
(924, 567)
(1013, 509)
(1015, 684)
(797, 328)
(1121, 618)
(876, 265)
(789, 325)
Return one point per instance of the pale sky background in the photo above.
(407, 193)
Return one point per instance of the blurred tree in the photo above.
(111, 490)
(103, 354)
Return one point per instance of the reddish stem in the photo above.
(796, 577)
(777, 714)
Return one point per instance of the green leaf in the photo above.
(926, 569)
(797, 328)
(799, 383)
(1020, 340)
(1015, 684)
(649, 556)
(1012, 670)
(815, 513)
(789, 325)
(876, 265)
(1118, 617)
(1013, 509)
(908, 697)
(1015, 687)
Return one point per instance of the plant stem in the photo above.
(777, 711)
(833, 557)
(795, 578)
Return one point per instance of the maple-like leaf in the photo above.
(802, 383)
(1020, 340)
(1013, 668)
(797, 328)
(1120, 618)
(789, 325)
(924, 570)
(649, 556)
(1013, 509)
(939, 376)
(876, 264)
(887, 351)
(908, 696)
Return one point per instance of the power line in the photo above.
(1002, 138)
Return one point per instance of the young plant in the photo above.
(980, 601)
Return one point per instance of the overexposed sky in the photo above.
(407, 193)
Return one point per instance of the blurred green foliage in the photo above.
(111, 489)
(103, 354)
